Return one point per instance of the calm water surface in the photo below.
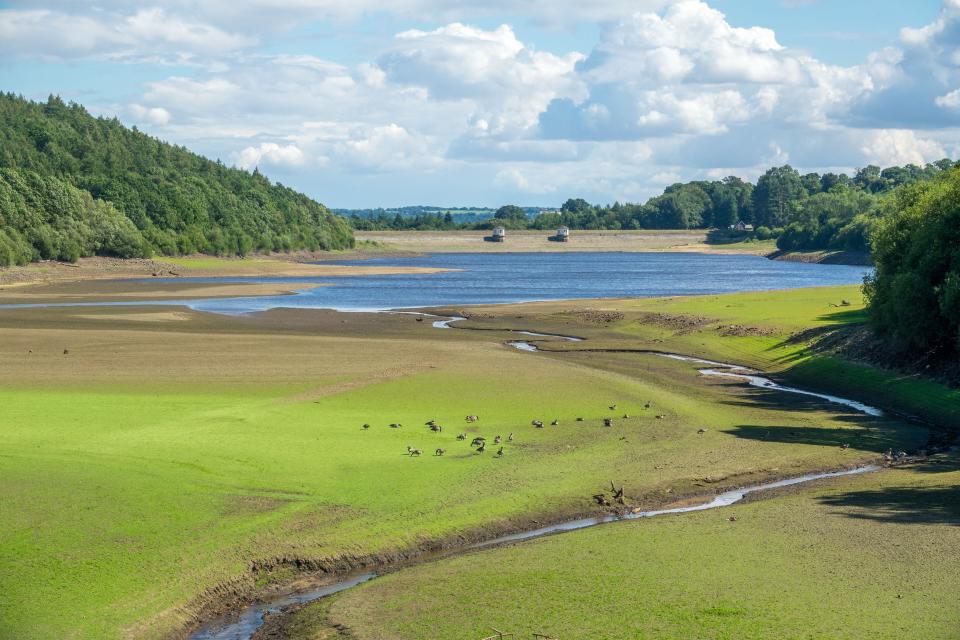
(485, 278)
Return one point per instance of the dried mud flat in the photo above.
(276, 266)
(537, 241)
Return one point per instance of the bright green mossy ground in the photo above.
(162, 456)
(792, 311)
(756, 329)
(872, 556)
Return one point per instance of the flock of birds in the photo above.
(480, 442)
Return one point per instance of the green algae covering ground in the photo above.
(148, 455)
(870, 556)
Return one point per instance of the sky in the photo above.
(367, 103)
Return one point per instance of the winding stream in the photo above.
(726, 370)
(243, 625)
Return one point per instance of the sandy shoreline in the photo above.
(277, 266)
(107, 280)
(537, 241)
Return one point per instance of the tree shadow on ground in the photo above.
(777, 400)
(859, 439)
(905, 505)
(843, 316)
(942, 463)
(726, 236)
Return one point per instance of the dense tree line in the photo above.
(400, 222)
(420, 217)
(42, 217)
(70, 180)
(803, 211)
(914, 294)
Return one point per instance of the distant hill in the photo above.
(73, 185)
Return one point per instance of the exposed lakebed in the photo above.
(243, 625)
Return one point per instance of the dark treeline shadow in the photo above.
(776, 400)
(907, 505)
(876, 440)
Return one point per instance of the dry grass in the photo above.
(530, 241)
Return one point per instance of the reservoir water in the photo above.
(484, 278)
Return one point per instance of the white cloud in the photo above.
(280, 15)
(388, 147)
(919, 79)
(270, 153)
(512, 178)
(323, 112)
(888, 147)
(688, 71)
(949, 101)
(146, 33)
(671, 90)
(509, 82)
(157, 116)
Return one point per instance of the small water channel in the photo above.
(726, 370)
(242, 626)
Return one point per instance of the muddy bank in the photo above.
(147, 293)
(273, 266)
(266, 610)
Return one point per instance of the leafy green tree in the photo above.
(869, 179)
(575, 205)
(682, 207)
(726, 212)
(510, 212)
(775, 194)
(914, 294)
(830, 180)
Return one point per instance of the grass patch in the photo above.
(849, 559)
(756, 329)
(156, 460)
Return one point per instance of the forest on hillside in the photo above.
(73, 185)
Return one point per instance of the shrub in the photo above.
(914, 294)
